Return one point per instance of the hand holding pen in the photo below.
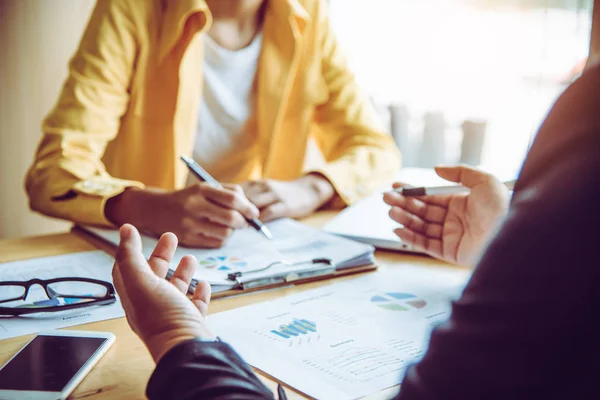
(203, 215)
(450, 223)
(202, 175)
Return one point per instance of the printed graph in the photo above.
(223, 263)
(353, 364)
(398, 301)
(296, 328)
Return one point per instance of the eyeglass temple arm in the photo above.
(51, 293)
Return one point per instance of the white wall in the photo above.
(37, 38)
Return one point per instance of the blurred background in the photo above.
(485, 70)
(453, 80)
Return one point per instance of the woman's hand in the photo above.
(200, 215)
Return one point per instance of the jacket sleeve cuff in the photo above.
(200, 369)
(347, 185)
(91, 196)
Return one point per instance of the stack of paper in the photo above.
(248, 250)
(345, 340)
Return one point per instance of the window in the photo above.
(497, 63)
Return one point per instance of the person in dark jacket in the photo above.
(523, 328)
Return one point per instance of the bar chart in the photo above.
(297, 327)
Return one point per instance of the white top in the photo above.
(226, 105)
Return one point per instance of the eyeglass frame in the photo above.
(109, 298)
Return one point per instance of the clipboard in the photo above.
(267, 276)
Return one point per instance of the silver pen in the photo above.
(204, 176)
(411, 191)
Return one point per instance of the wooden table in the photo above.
(125, 369)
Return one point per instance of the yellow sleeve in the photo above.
(360, 155)
(67, 178)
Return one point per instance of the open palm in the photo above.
(455, 227)
(158, 309)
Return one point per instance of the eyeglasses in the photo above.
(62, 294)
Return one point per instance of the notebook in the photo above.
(368, 221)
(249, 261)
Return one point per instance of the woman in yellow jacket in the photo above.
(239, 85)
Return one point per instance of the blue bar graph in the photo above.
(295, 328)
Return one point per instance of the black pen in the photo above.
(204, 176)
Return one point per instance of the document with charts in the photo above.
(345, 340)
(248, 250)
(86, 264)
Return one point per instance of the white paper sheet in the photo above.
(346, 340)
(89, 264)
(247, 249)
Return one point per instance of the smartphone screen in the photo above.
(48, 363)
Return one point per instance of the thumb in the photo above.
(236, 188)
(463, 174)
(130, 260)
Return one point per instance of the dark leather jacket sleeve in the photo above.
(525, 326)
(204, 370)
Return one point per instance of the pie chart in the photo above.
(223, 263)
(398, 301)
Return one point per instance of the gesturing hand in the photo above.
(158, 310)
(455, 227)
(295, 199)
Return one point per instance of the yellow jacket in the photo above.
(129, 107)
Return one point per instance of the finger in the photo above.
(124, 297)
(254, 187)
(392, 199)
(274, 211)
(163, 254)
(231, 199)
(465, 175)
(184, 273)
(223, 216)
(419, 242)
(440, 200)
(398, 185)
(121, 288)
(415, 223)
(201, 297)
(234, 187)
(207, 228)
(118, 281)
(264, 199)
(420, 208)
(396, 199)
(131, 262)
